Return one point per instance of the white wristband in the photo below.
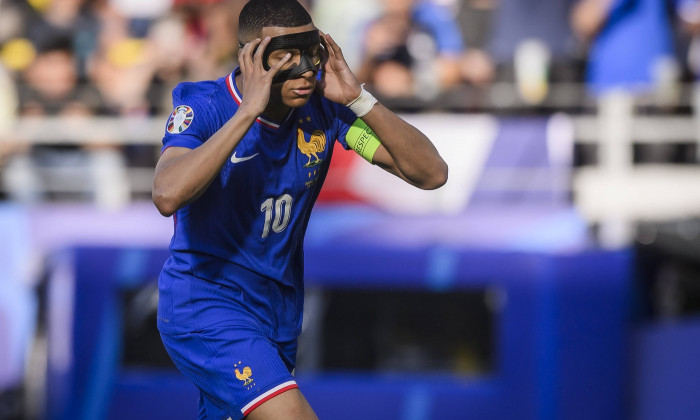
(363, 103)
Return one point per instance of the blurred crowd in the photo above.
(111, 57)
(83, 58)
(122, 57)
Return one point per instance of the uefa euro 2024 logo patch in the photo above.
(180, 119)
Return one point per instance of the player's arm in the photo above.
(404, 150)
(183, 174)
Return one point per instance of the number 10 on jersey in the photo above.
(281, 209)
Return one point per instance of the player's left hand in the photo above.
(337, 83)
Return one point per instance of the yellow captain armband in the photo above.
(362, 140)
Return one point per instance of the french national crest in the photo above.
(315, 144)
(245, 375)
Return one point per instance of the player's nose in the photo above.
(308, 74)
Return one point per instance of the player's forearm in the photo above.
(183, 178)
(415, 157)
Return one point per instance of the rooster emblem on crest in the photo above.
(316, 144)
(245, 376)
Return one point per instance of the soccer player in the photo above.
(243, 160)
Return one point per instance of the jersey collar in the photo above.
(236, 95)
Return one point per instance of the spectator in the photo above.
(53, 89)
(52, 83)
(168, 59)
(630, 53)
(532, 45)
(413, 48)
(612, 27)
(12, 20)
(8, 110)
(689, 15)
(211, 35)
(69, 20)
(344, 20)
(475, 19)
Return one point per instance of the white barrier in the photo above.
(614, 190)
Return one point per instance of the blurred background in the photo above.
(555, 276)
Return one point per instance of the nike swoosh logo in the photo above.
(235, 159)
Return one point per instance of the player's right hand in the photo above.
(256, 81)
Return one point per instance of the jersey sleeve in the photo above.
(189, 125)
(345, 118)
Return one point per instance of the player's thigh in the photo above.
(289, 405)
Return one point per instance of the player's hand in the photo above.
(337, 83)
(255, 88)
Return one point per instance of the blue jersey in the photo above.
(237, 250)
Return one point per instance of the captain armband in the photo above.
(362, 140)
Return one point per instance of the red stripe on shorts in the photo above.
(268, 395)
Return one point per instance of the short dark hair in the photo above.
(257, 14)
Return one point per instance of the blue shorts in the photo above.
(235, 368)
